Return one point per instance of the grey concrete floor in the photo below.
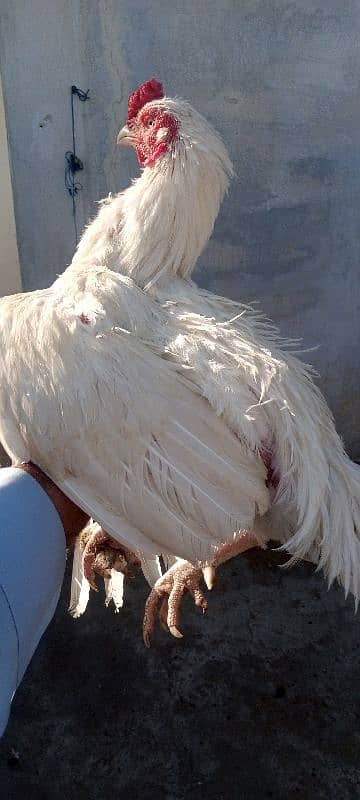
(261, 699)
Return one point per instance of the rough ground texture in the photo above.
(260, 699)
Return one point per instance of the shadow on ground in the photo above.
(259, 700)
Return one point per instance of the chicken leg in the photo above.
(183, 577)
(101, 553)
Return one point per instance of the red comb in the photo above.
(150, 90)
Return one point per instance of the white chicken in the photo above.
(175, 418)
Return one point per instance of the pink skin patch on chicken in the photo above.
(85, 319)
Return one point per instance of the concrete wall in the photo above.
(279, 79)
(9, 260)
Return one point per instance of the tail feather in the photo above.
(319, 489)
(272, 403)
(337, 540)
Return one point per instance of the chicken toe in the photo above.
(168, 593)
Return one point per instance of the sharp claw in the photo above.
(209, 574)
(169, 590)
(201, 603)
(175, 632)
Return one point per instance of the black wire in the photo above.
(73, 164)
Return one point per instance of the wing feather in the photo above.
(119, 426)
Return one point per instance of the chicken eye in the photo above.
(149, 123)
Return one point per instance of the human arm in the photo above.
(34, 516)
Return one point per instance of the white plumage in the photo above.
(121, 429)
(154, 404)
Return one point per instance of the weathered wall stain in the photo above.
(320, 169)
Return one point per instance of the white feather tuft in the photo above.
(80, 587)
(114, 590)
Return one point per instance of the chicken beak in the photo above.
(124, 137)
